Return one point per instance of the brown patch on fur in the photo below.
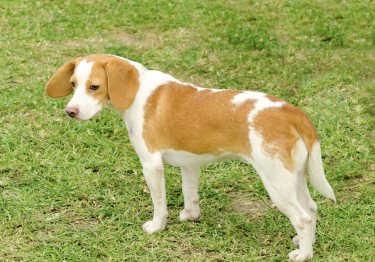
(59, 85)
(122, 80)
(179, 117)
(98, 77)
(122, 83)
(281, 128)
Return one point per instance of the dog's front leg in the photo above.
(154, 174)
(190, 179)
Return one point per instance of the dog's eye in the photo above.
(94, 87)
(73, 85)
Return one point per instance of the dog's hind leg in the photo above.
(284, 188)
(308, 204)
(300, 158)
(190, 180)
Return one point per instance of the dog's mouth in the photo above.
(83, 117)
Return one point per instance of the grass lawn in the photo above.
(74, 191)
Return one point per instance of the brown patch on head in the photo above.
(122, 83)
(98, 77)
(59, 85)
(179, 117)
(117, 80)
(281, 128)
(122, 80)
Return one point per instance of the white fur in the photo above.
(288, 190)
(86, 104)
(261, 102)
(316, 173)
(247, 95)
(190, 160)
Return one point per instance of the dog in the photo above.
(188, 126)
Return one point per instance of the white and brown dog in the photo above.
(188, 126)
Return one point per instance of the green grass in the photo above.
(74, 191)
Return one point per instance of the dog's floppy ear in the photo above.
(59, 85)
(122, 83)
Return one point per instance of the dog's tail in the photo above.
(305, 127)
(316, 172)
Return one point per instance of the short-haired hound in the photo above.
(188, 126)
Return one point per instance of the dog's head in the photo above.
(95, 79)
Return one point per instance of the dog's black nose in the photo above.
(71, 111)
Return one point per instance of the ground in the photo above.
(74, 191)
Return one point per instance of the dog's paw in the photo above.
(154, 225)
(189, 215)
(297, 255)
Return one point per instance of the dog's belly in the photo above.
(187, 159)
